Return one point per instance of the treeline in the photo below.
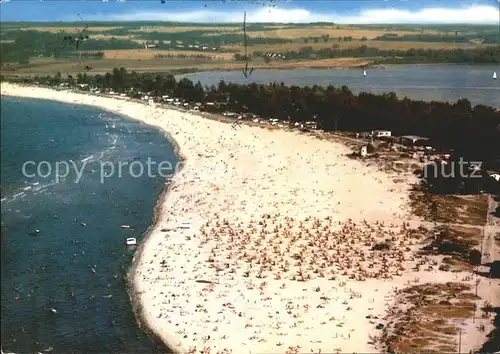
(326, 38)
(481, 55)
(485, 55)
(109, 44)
(29, 44)
(485, 38)
(471, 131)
(449, 28)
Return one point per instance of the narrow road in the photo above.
(491, 229)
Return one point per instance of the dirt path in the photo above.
(492, 227)
(432, 224)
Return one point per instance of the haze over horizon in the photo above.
(212, 11)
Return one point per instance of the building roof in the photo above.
(380, 131)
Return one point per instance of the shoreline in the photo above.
(180, 72)
(136, 260)
(159, 206)
(369, 65)
(186, 244)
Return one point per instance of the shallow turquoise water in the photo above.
(75, 269)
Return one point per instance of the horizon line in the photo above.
(267, 23)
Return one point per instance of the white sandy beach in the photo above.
(278, 257)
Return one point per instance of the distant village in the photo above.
(180, 45)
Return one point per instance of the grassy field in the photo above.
(430, 320)
(173, 29)
(144, 60)
(469, 210)
(286, 31)
(333, 32)
(268, 31)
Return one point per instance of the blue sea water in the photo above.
(78, 261)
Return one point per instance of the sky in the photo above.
(285, 11)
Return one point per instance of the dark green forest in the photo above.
(482, 55)
(471, 131)
(30, 44)
(459, 38)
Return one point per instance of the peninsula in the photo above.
(274, 241)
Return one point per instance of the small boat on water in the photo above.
(126, 227)
(131, 241)
(364, 72)
(494, 75)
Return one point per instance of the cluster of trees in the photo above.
(29, 44)
(326, 38)
(482, 55)
(243, 57)
(457, 38)
(109, 44)
(471, 131)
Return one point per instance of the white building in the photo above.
(380, 133)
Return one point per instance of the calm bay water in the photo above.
(77, 270)
(437, 82)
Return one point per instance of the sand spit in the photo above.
(271, 241)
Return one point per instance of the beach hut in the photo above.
(363, 151)
(380, 133)
(186, 225)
